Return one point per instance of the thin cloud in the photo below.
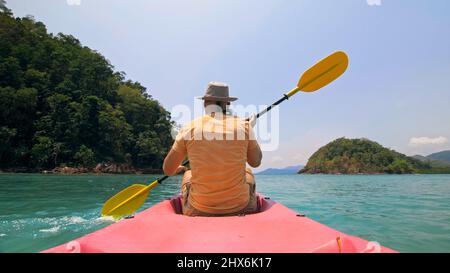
(300, 158)
(374, 2)
(277, 159)
(417, 141)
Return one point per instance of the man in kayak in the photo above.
(218, 146)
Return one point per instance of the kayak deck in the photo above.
(275, 229)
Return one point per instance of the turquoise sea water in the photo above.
(409, 213)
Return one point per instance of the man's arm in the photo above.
(172, 163)
(254, 154)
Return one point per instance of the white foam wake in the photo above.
(50, 230)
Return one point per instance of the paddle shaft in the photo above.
(285, 97)
(161, 179)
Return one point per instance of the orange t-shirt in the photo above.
(217, 147)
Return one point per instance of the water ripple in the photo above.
(410, 213)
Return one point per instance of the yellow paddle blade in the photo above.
(322, 73)
(127, 201)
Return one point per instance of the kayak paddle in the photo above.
(321, 74)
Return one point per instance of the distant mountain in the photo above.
(287, 170)
(436, 160)
(421, 158)
(443, 156)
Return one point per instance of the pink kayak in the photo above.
(275, 229)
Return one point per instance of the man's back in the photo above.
(217, 148)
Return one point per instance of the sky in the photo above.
(396, 90)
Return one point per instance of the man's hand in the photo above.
(180, 169)
(252, 120)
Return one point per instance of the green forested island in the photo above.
(355, 156)
(62, 105)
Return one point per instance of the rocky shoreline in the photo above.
(337, 173)
(101, 168)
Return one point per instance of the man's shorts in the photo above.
(191, 211)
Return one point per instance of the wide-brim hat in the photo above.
(217, 91)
